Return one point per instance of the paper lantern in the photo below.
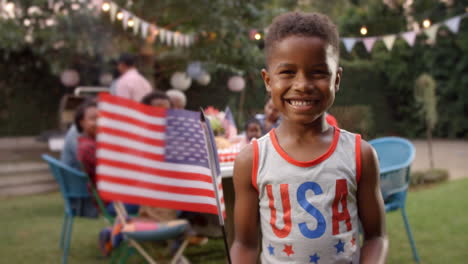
(70, 78)
(236, 83)
(106, 79)
(180, 81)
(204, 79)
(194, 70)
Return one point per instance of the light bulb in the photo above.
(119, 15)
(130, 22)
(10, 7)
(426, 23)
(105, 7)
(258, 36)
(363, 30)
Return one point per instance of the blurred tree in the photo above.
(425, 94)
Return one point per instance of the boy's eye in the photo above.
(286, 72)
(320, 74)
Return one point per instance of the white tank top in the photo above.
(308, 210)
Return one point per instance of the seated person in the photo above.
(81, 206)
(270, 119)
(160, 99)
(86, 124)
(157, 99)
(68, 154)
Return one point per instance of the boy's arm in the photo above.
(245, 246)
(371, 208)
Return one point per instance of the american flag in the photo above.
(156, 157)
(229, 124)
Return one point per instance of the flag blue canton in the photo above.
(185, 141)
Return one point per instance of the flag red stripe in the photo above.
(133, 121)
(130, 151)
(159, 172)
(157, 187)
(132, 136)
(146, 109)
(133, 199)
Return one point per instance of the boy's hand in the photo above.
(371, 208)
(245, 247)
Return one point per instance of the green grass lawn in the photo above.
(30, 230)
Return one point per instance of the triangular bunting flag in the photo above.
(389, 40)
(113, 11)
(431, 33)
(126, 16)
(187, 41)
(175, 37)
(97, 3)
(369, 43)
(169, 37)
(410, 37)
(136, 25)
(144, 29)
(453, 24)
(349, 43)
(162, 35)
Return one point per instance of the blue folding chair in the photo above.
(73, 186)
(395, 158)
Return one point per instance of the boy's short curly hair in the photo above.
(301, 24)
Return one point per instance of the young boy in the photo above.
(306, 185)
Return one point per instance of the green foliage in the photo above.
(392, 74)
(382, 80)
(29, 94)
(425, 94)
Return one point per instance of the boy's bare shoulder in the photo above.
(367, 151)
(244, 158)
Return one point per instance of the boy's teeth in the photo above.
(300, 103)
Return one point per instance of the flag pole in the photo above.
(214, 176)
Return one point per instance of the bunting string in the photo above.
(453, 24)
(145, 29)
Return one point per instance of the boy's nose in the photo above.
(303, 84)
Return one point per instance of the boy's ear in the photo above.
(339, 73)
(266, 80)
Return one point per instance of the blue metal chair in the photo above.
(395, 158)
(73, 187)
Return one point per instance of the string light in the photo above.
(119, 15)
(130, 22)
(105, 7)
(258, 36)
(426, 23)
(363, 30)
(10, 7)
(27, 22)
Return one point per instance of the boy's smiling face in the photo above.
(302, 77)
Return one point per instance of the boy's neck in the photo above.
(317, 127)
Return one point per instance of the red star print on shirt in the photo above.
(353, 241)
(288, 250)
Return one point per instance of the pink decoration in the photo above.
(236, 83)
